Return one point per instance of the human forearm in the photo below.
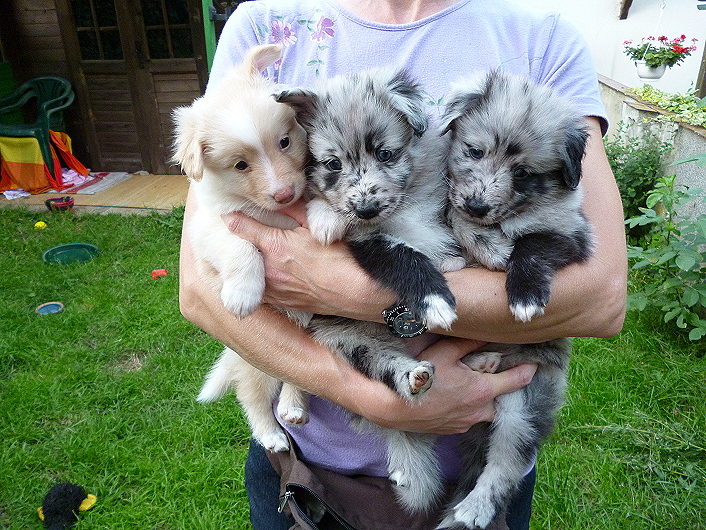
(269, 341)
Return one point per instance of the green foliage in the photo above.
(661, 50)
(687, 107)
(672, 261)
(637, 163)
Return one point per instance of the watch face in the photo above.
(406, 325)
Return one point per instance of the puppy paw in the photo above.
(292, 415)
(241, 300)
(325, 225)
(415, 491)
(487, 362)
(475, 511)
(526, 312)
(419, 379)
(400, 479)
(452, 263)
(274, 441)
(438, 312)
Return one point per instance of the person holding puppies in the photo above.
(437, 41)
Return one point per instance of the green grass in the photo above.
(630, 451)
(102, 395)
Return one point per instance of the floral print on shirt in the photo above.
(319, 27)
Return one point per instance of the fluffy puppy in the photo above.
(242, 151)
(376, 182)
(515, 205)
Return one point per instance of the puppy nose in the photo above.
(284, 195)
(367, 210)
(476, 207)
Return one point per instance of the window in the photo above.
(97, 26)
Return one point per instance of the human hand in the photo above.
(459, 397)
(303, 274)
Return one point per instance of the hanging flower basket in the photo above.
(650, 72)
(658, 54)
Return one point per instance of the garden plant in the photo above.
(637, 161)
(657, 51)
(670, 264)
(686, 108)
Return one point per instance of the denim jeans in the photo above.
(262, 484)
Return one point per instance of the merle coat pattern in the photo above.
(515, 205)
(376, 181)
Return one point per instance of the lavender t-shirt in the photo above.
(321, 40)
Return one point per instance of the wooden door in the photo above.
(134, 61)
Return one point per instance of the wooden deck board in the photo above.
(138, 194)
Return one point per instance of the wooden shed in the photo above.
(130, 63)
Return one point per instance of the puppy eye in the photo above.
(284, 142)
(476, 153)
(384, 155)
(520, 173)
(241, 166)
(334, 164)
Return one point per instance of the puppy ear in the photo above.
(572, 155)
(188, 151)
(467, 97)
(260, 57)
(408, 98)
(459, 104)
(304, 102)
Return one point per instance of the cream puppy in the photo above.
(243, 151)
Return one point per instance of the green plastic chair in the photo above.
(43, 97)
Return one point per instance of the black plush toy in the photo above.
(62, 504)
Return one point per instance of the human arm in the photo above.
(587, 299)
(459, 398)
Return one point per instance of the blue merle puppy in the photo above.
(376, 181)
(515, 205)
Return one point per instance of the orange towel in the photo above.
(22, 165)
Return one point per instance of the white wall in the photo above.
(605, 33)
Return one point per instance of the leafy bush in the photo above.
(683, 107)
(637, 163)
(674, 258)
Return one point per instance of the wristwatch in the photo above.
(402, 323)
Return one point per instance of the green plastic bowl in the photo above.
(71, 253)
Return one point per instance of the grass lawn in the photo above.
(102, 395)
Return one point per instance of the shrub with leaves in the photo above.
(637, 163)
(673, 260)
(686, 107)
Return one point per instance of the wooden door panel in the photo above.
(113, 120)
(136, 60)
